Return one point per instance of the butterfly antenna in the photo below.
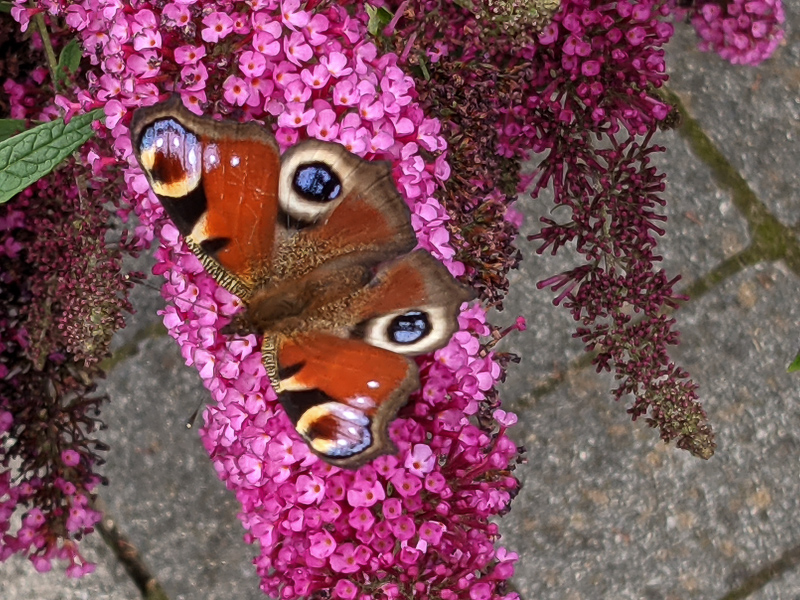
(193, 417)
(149, 285)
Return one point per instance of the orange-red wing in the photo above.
(242, 203)
(412, 281)
(218, 182)
(341, 394)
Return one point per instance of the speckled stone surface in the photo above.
(607, 510)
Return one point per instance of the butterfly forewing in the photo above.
(218, 182)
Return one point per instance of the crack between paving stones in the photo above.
(128, 556)
(786, 562)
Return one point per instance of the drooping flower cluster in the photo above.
(416, 523)
(617, 301)
(592, 71)
(741, 31)
(63, 295)
(614, 58)
(513, 97)
(508, 57)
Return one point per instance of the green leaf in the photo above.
(70, 59)
(795, 366)
(378, 19)
(6, 7)
(32, 154)
(9, 127)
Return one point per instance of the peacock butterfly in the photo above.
(318, 244)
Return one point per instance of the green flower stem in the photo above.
(52, 62)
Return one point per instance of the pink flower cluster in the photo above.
(63, 295)
(613, 55)
(740, 31)
(593, 66)
(46, 469)
(412, 524)
(35, 537)
(420, 516)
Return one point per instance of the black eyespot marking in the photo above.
(176, 151)
(409, 328)
(317, 182)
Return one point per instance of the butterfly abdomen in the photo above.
(317, 301)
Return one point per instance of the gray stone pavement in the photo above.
(607, 510)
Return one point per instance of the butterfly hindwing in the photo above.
(341, 394)
(411, 306)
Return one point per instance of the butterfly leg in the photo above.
(269, 358)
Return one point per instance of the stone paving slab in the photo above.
(164, 492)
(607, 510)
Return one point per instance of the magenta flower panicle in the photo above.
(740, 31)
(308, 70)
(63, 294)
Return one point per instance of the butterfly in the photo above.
(318, 244)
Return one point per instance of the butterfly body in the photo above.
(318, 245)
